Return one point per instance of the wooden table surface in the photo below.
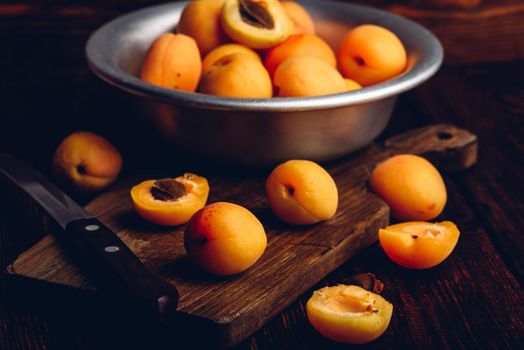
(475, 299)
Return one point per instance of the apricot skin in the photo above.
(224, 239)
(299, 45)
(302, 21)
(237, 75)
(201, 21)
(307, 76)
(173, 61)
(225, 50)
(411, 186)
(87, 161)
(352, 85)
(371, 54)
(302, 192)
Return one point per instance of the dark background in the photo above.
(473, 300)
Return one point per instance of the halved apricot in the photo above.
(170, 201)
(349, 314)
(418, 244)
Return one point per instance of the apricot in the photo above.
(371, 54)
(349, 314)
(307, 76)
(169, 201)
(237, 75)
(258, 24)
(352, 85)
(87, 161)
(224, 239)
(419, 245)
(411, 186)
(225, 50)
(201, 21)
(302, 21)
(299, 45)
(173, 61)
(302, 192)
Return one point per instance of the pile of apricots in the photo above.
(267, 48)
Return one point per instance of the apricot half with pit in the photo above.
(170, 201)
(302, 192)
(258, 24)
(349, 314)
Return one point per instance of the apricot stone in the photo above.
(302, 21)
(411, 186)
(371, 54)
(302, 192)
(299, 45)
(173, 61)
(224, 239)
(201, 21)
(87, 161)
(237, 75)
(307, 76)
(225, 50)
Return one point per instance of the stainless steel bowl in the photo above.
(260, 132)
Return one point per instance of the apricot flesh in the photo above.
(419, 245)
(201, 21)
(307, 76)
(237, 75)
(348, 314)
(224, 239)
(302, 192)
(258, 24)
(411, 186)
(225, 50)
(176, 210)
(87, 161)
(302, 21)
(299, 45)
(173, 61)
(370, 54)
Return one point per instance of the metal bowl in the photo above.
(261, 132)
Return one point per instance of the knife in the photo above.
(109, 260)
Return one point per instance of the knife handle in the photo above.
(118, 266)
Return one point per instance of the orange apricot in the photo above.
(348, 314)
(352, 85)
(419, 245)
(411, 186)
(224, 239)
(87, 161)
(307, 76)
(302, 21)
(237, 75)
(170, 201)
(299, 45)
(173, 61)
(224, 50)
(201, 21)
(302, 192)
(371, 54)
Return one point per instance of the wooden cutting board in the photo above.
(296, 257)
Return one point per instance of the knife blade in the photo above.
(107, 258)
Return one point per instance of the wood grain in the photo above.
(295, 259)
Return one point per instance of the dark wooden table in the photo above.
(475, 299)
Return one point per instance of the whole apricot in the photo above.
(371, 54)
(411, 186)
(258, 24)
(349, 314)
(224, 239)
(87, 161)
(302, 192)
(170, 201)
(352, 85)
(299, 45)
(307, 76)
(224, 50)
(237, 75)
(201, 21)
(173, 61)
(302, 21)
